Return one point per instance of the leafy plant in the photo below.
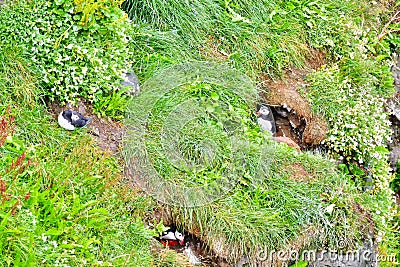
(59, 220)
(77, 213)
(184, 109)
(351, 94)
(80, 48)
(359, 126)
(113, 105)
(300, 264)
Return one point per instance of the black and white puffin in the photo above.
(69, 120)
(171, 238)
(266, 119)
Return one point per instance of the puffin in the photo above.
(266, 120)
(172, 238)
(70, 120)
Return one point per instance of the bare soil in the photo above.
(212, 49)
(299, 173)
(106, 132)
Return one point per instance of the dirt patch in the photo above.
(292, 113)
(283, 93)
(288, 141)
(107, 133)
(299, 173)
(315, 132)
(367, 224)
(211, 49)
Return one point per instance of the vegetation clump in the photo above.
(79, 48)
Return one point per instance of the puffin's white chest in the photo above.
(265, 124)
(168, 236)
(65, 123)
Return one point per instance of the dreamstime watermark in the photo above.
(293, 255)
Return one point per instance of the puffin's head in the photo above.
(74, 117)
(67, 113)
(262, 111)
(180, 237)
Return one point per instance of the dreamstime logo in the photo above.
(327, 256)
(174, 137)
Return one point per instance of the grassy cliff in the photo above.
(65, 202)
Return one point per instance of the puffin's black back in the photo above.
(67, 114)
(80, 122)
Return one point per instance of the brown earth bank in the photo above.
(293, 116)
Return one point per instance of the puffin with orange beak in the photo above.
(171, 238)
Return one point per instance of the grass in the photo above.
(255, 36)
(278, 210)
(351, 94)
(62, 203)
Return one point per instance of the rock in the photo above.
(393, 105)
(282, 112)
(288, 141)
(131, 81)
(96, 131)
(81, 108)
(193, 259)
(362, 257)
(368, 183)
(288, 109)
(242, 262)
(394, 157)
(284, 128)
(396, 73)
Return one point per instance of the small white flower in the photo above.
(84, 70)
